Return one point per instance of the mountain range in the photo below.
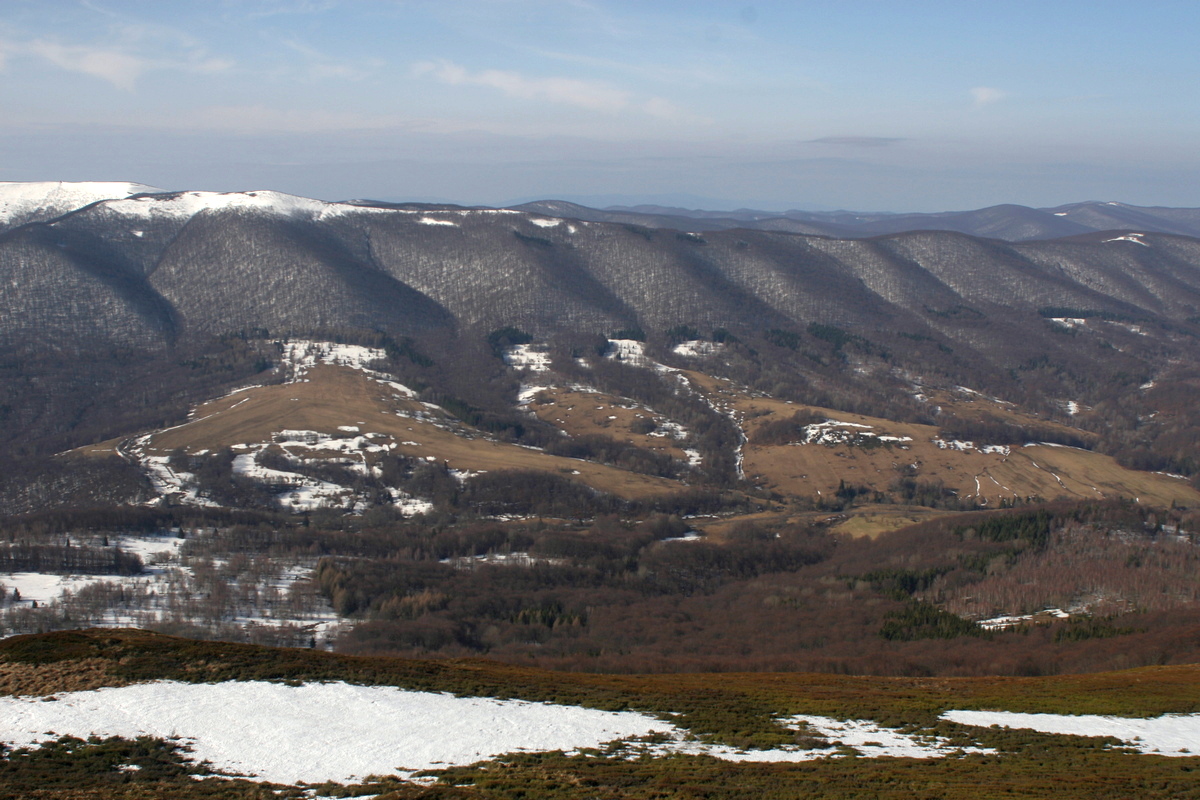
(1008, 222)
(148, 268)
(431, 429)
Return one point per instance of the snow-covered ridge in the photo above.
(43, 200)
(39, 200)
(183, 205)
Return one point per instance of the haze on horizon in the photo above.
(924, 106)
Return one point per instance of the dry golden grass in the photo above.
(871, 521)
(975, 406)
(333, 396)
(59, 676)
(587, 413)
(1042, 471)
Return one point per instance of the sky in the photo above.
(919, 105)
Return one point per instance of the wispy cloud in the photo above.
(592, 95)
(290, 7)
(857, 141)
(116, 65)
(322, 66)
(118, 68)
(986, 95)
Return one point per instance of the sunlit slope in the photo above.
(333, 399)
(853, 450)
(590, 413)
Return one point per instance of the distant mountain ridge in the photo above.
(1014, 223)
(145, 268)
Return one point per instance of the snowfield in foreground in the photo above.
(341, 732)
(320, 731)
(1168, 735)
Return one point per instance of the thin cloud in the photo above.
(265, 119)
(986, 95)
(592, 95)
(114, 65)
(663, 109)
(120, 69)
(857, 141)
(321, 66)
(290, 7)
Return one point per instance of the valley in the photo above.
(702, 473)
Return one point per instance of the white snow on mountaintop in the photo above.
(1168, 735)
(182, 205)
(46, 199)
(341, 732)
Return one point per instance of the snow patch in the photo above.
(697, 348)
(958, 444)
(1168, 735)
(1069, 322)
(319, 732)
(527, 356)
(832, 433)
(628, 350)
(1136, 238)
(1007, 621)
(340, 732)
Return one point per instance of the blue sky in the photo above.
(867, 105)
